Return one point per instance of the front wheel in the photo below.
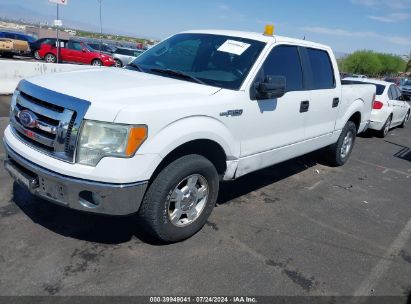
(341, 150)
(118, 63)
(97, 62)
(180, 199)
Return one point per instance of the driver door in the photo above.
(272, 127)
(74, 52)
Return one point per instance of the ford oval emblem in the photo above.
(28, 119)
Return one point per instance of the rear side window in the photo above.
(322, 70)
(125, 52)
(284, 61)
(380, 89)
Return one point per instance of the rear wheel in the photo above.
(50, 58)
(406, 118)
(180, 199)
(386, 128)
(340, 152)
(118, 63)
(97, 62)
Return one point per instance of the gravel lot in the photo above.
(298, 228)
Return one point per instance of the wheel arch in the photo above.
(201, 135)
(356, 119)
(204, 147)
(355, 112)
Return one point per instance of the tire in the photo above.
(406, 118)
(97, 62)
(50, 58)
(340, 152)
(386, 128)
(159, 214)
(118, 63)
(36, 55)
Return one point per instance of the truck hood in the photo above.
(111, 89)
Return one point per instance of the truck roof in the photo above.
(260, 37)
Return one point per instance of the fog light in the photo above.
(89, 199)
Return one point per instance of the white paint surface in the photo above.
(12, 71)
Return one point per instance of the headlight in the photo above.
(99, 139)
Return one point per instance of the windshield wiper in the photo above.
(177, 73)
(135, 65)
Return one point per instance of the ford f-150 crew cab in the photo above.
(156, 137)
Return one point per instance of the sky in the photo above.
(345, 25)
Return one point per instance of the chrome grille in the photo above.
(54, 122)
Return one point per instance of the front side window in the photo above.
(321, 69)
(216, 60)
(284, 61)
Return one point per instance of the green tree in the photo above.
(372, 64)
(362, 62)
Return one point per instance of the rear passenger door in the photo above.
(325, 94)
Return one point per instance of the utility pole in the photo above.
(101, 26)
(58, 43)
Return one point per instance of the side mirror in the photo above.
(271, 87)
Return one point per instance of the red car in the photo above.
(75, 52)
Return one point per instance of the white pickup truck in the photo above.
(158, 136)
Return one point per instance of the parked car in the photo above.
(399, 81)
(105, 48)
(6, 47)
(35, 46)
(13, 47)
(75, 52)
(389, 108)
(357, 76)
(345, 75)
(123, 56)
(406, 89)
(157, 136)
(17, 36)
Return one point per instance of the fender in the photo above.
(188, 129)
(356, 106)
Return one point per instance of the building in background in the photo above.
(41, 32)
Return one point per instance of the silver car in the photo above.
(123, 56)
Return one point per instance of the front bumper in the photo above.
(85, 195)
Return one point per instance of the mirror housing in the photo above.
(272, 87)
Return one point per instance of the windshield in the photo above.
(214, 60)
(407, 83)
